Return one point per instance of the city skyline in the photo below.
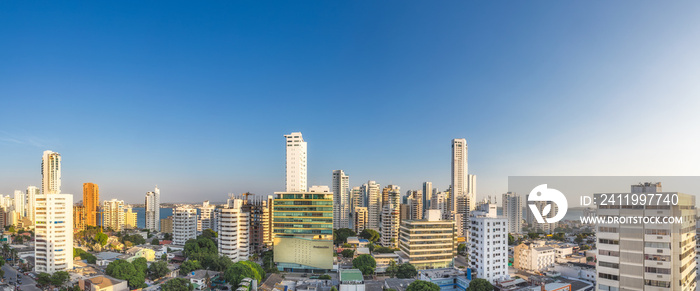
(127, 101)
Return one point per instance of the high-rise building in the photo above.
(32, 192)
(374, 204)
(488, 248)
(513, 211)
(296, 162)
(647, 256)
(113, 214)
(439, 202)
(233, 226)
(91, 200)
(357, 199)
(427, 195)
(459, 173)
(54, 238)
(415, 202)
(130, 218)
(79, 217)
(544, 227)
(166, 224)
(341, 202)
(471, 191)
(303, 228)
(360, 219)
(391, 218)
(206, 217)
(51, 173)
(18, 203)
(184, 224)
(428, 243)
(153, 210)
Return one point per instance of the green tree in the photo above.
(141, 265)
(101, 238)
(365, 263)
(370, 234)
(511, 239)
(347, 253)
(168, 236)
(533, 235)
(200, 246)
(479, 284)
(578, 239)
(406, 271)
(44, 279)
(155, 242)
(210, 234)
(382, 250)
(177, 284)
(333, 288)
(420, 285)
(59, 278)
(589, 259)
(324, 277)
(164, 257)
(341, 235)
(241, 270)
(392, 269)
(124, 270)
(462, 248)
(189, 266)
(157, 270)
(558, 236)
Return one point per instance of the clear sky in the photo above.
(196, 96)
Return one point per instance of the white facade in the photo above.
(51, 173)
(439, 202)
(488, 251)
(18, 203)
(533, 257)
(206, 217)
(113, 214)
(341, 201)
(391, 218)
(233, 228)
(638, 256)
(459, 173)
(153, 210)
(184, 224)
(32, 192)
(513, 211)
(356, 198)
(54, 233)
(374, 204)
(296, 162)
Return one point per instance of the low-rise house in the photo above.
(103, 283)
(104, 258)
(351, 280)
(357, 242)
(199, 278)
(143, 252)
(447, 278)
(383, 260)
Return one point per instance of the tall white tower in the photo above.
(513, 211)
(51, 173)
(374, 204)
(296, 162)
(341, 204)
(153, 210)
(184, 224)
(459, 172)
(32, 192)
(234, 230)
(18, 203)
(113, 214)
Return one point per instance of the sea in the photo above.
(141, 215)
(571, 213)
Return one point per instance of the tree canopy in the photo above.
(479, 284)
(370, 234)
(420, 285)
(241, 270)
(365, 263)
(157, 270)
(124, 270)
(177, 284)
(406, 271)
(341, 235)
(189, 266)
(200, 246)
(210, 234)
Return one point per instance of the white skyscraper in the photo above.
(341, 201)
(153, 210)
(113, 214)
(234, 230)
(427, 195)
(206, 217)
(374, 204)
(32, 192)
(184, 224)
(51, 173)
(18, 203)
(513, 211)
(459, 173)
(488, 247)
(296, 162)
(471, 191)
(54, 233)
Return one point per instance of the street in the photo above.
(28, 284)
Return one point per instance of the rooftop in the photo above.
(103, 281)
(441, 273)
(351, 275)
(107, 255)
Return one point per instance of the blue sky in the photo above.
(195, 97)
